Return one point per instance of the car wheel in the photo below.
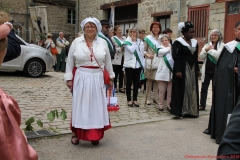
(34, 68)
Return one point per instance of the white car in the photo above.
(33, 60)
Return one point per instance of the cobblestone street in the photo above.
(37, 96)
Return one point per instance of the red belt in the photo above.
(92, 67)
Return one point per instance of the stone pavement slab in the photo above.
(38, 96)
(163, 140)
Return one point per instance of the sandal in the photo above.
(168, 108)
(135, 103)
(121, 90)
(74, 142)
(130, 103)
(201, 108)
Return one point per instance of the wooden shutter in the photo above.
(199, 17)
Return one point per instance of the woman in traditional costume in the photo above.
(164, 72)
(133, 64)
(184, 101)
(90, 55)
(210, 54)
(117, 62)
(151, 47)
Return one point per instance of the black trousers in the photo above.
(204, 89)
(132, 76)
(117, 69)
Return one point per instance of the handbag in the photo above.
(53, 50)
(106, 76)
(155, 62)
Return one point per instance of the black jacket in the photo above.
(13, 48)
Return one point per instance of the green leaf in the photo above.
(63, 114)
(50, 116)
(56, 113)
(39, 122)
(53, 112)
(29, 128)
(29, 121)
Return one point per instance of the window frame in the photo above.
(201, 30)
(73, 16)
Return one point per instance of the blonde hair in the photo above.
(4, 17)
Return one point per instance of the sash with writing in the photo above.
(152, 43)
(110, 46)
(136, 53)
(118, 41)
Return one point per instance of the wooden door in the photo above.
(232, 17)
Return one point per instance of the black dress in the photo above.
(185, 96)
(225, 93)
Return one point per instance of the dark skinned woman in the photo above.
(184, 101)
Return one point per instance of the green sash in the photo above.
(170, 67)
(117, 41)
(238, 46)
(107, 40)
(154, 47)
(142, 76)
(211, 58)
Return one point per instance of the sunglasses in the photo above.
(106, 27)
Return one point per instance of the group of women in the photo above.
(168, 68)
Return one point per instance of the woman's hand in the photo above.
(111, 84)
(209, 47)
(134, 38)
(236, 69)
(199, 74)
(179, 74)
(70, 85)
(150, 56)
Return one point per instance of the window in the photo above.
(234, 8)
(125, 16)
(127, 25)
(199, 17)
(164, 21)
(71, 16)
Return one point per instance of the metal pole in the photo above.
(27, 39)
(179, 14)
(30, 30)
(76, 18)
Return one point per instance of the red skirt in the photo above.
(88, 134)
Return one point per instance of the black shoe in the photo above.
(130, 104)
(136, 105)
(95, 143)
(160, 109)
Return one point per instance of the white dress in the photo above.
(89, 106)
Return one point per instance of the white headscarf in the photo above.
(93, 20)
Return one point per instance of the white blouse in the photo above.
(79, 55)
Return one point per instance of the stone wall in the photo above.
(216, 12)
(57, 18)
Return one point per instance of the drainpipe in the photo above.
(76, 18)
(179, 14)
(26, 31)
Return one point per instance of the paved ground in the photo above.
(163, 138)
(38, 96)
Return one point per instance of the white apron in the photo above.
(89, 109)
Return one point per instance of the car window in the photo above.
(20, 42)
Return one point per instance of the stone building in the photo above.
(60, 17)
(65, 15)
(205, 14)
